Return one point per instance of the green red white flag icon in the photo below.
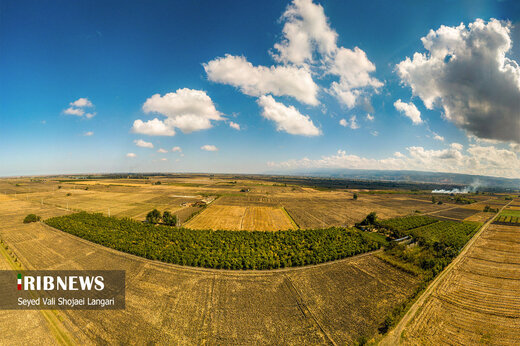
(19, 282)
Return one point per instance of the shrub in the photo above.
(31, 218)
(355, 196)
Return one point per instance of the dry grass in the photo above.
(248, 218)
(167, 304)
(479, 301)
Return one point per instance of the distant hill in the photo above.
(472, 182)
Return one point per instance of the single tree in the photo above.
(355, 196)
(169, 219)
(153, 217)
(31, 218)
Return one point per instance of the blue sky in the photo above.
(118, 54)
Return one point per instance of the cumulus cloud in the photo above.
(308, 48)
(178, 149)
(234, 126)
(260, 80)
(186, 109)
(209, 147)
(409, 110)
(438, 137)
(74, 111)
(370, 117)
(77, 108)
(82, 102)
(88, 133)
(154, 127)
(143, 144)
(353, 69)
(467, 74)
(476, 159)
(131, 155)
(306, 29)
(352, 123)
(161, 150)
(287, 119)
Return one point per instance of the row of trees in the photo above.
(219, 249)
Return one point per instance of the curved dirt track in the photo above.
(332, 303)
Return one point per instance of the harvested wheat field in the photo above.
(249, 218)
(337, 302)
(478, 302)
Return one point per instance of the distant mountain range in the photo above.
(471, 182)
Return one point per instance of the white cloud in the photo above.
(74, 111)
(178, 149)
(438, 137)
(353, 123)
(306, 29)
(515, 147)
(353, 69)
(374, 133)
(161, 150)
(234, 125)
(466, 73)
(209, 147)
(88, 133)
(409, 110)
(143, 144)
(287, 119)
(131, 155)
(186, 109)
(154, 127)
(260, 80)
(77, 108)
(479, 160)
(308, 48)
(82, 102)
(370, 117)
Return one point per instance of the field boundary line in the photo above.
(394, 336)
(290, 217)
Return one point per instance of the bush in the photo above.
(31, 218)
(153, 217)
(169, 219)
(355, 196)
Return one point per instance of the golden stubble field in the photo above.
(478, 302)
(336, 302)
(235, 204)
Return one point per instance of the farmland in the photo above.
(476, 301)
(339, 290)
(342, 301)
